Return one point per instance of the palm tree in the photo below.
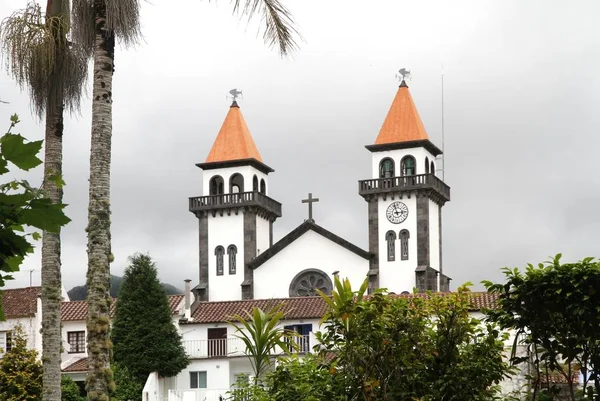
(97, 26)
(40, 58)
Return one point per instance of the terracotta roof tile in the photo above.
(402, 123)
(297, 308)
(80, 365)
(20, 302)
(77, 310)
(234, 141)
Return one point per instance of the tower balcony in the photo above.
(229, 201)
(402, 184)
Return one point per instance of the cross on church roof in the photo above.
(310, 201)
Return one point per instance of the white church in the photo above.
(240, 265)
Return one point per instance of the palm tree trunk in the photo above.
(51, 278)
(99, 380)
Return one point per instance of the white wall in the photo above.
(262, 235)
(225, 230)
(397, 154)
(311, 251)
(67, 357)
(399, 275)
(247, 172)
(30, 328)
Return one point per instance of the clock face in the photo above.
(397, 212)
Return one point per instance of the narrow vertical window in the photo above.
(408, 165)
(219, 251)
(231, 252)
(263, 186)
(426, 165)
(432, 168)
(255, 183)
(404, 236)
(386, 168)
(390, 237)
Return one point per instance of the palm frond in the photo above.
(279, 26)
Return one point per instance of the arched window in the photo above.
(390, 237)
(432, 168)
(404, 236)
(408, 165)
(426, 165)
(386, 168)
(219, 252)
(255, 183)
(236, 183)
(232, 252)
(216, 185)
(263, 186)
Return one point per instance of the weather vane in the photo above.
(235, 93)
(403, 74)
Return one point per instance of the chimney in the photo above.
(187, 293)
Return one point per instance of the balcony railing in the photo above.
(404, 183)
(200, 394)
(225, 201)
(233, 346)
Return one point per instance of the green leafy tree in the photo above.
(145, 340)
(70, 390)
(262, 337)
(22, 205)
(127, 387)
(20, 371)
(54, 70)
(98, 24)
(554, 309)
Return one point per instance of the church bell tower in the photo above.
(405, 199)
(235, 214)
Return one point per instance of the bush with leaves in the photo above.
(70, 390)
(554, 309)
(144, 336)
(22, 205)
(127, 387)
(20, 371)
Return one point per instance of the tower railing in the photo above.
(404, 183)
(227, 201)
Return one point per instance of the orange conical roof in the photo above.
(234, 141)
(402, 123)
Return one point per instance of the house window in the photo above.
(217, 342)
(236, 183)
(390, 237)
(198, 379)
(263, 186)
(386, 168)
(219, 252)
(426, 165)
(76, 340)
(408, 166)
(8, 341)
(301, 338)
(255, 183)
(432, 168)
(404, 236)
(216, 185)
(5, 342)
(231, 252)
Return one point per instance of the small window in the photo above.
(76, 340)
(404, 236)
(426, 165)
(432, 168)
(219, 251)
(198, 379)
(390, 237)
(408, 166)
(255, 183)
(231, 252)
(386, 168)
(263, 186)
(236, 183)
(216, 185)
(301, 336)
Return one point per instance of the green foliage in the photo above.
(22, 205)
(127, 386)
(555, 310)
(20, 371)
(70, 390)
(145, 340)
(261, 336)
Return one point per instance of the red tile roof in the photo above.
(20, 302)
(81, 365)
(297, 308)
(77, 310)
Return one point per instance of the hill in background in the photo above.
(79, 293)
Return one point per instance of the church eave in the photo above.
(260, 166)
(424, 143)
(297, 233)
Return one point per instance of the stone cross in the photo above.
(310, 201)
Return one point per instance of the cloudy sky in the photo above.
(522, 118)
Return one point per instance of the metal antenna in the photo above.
(30, 273)
(443, 153)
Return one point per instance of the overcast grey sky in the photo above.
(522, 123)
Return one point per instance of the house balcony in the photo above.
(234, 200)
(367, 188)
(200, 394)
(234, 347)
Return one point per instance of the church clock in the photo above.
(397, 212)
